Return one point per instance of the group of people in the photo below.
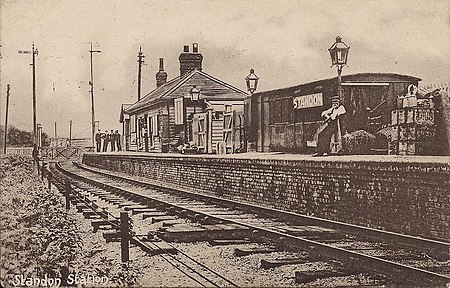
(108, 137)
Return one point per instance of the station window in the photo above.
(179, 111)
(133, 123)
(154, 125)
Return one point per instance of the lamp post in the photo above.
(252, 84)
(195, 95)
(339, 52)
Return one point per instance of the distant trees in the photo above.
(17, 137)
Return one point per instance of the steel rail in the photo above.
(136, 241)
(353, 259)
(429, 245)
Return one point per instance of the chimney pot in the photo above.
(190, 61)
(161, 76)
(161, 64)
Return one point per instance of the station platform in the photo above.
(295, 157)
(403, 194)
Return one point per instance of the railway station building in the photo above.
(193, 108)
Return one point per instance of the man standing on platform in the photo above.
(98, 140)
(119, 147)
(105, 141)
(332, 119)
(112, 137)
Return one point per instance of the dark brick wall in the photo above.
(410, 198)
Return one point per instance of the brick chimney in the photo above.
(190, 61)
(161, 76)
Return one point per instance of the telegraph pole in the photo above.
(70, 133)
(6, 118)
(140, 61)
(33, 52)
(92, 94)
(56, 137)
(34, 94)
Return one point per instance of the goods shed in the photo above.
(288, 119)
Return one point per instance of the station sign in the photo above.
(307, 101)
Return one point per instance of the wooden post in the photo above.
(124, 236)
(6, 120)
(70, 133)
(68, 190)
(49, 179)
(43, 171)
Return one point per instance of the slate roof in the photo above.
(220, 91)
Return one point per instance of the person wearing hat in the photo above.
(112, 138)
(119, 147)
(105, 141)
(98, 140)
(331, 118)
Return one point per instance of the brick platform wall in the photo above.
(411, 198)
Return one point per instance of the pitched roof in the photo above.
(122, 110)
(166, 91)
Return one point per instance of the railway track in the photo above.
(198, 273)
(399, 258)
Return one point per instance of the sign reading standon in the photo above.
(306, 101)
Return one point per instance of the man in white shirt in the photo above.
(331, 118)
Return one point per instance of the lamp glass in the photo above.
(252, 81)
(339, 52)
(195, 93)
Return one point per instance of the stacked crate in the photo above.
(412, 131)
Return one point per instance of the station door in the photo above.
(202, 129)
(228, 132)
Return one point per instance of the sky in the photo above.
(286, 42)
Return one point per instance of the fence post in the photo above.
(49, 179)
(43, 171)
(68, 190)
(124, 236)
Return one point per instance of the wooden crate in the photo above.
(424, 116)
(402, 133)
(393, 148)
(401, 116)
(411, 132)
(394, 117)
(409, 115)
(395, 133)
(406, 147)
(425, 133)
